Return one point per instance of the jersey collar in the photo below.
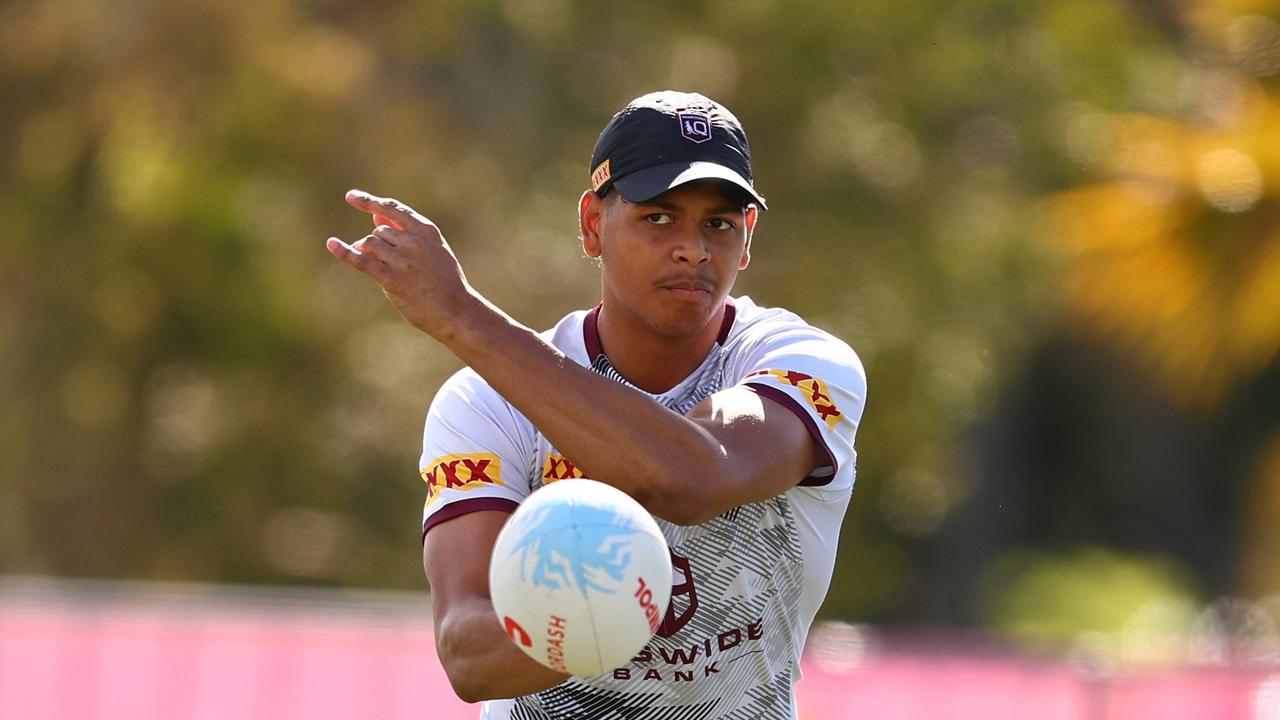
(591, 333)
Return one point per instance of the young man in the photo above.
(732, 423)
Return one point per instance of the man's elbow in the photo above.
(684, 510)
(470, 677)
(469, 685)
(687, 518)
(683, 498)
(468, 691)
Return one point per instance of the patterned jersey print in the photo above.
(746, 584)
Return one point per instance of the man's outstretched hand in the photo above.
(409, 258)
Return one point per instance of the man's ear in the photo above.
(752, 215)
(590, 211)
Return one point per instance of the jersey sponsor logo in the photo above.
(682, 594)
(558, 467)
(694, 126)
(461, 472)
(815, 392)
(673, 664)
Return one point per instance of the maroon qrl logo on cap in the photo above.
(695, 127)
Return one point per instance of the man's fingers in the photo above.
(352, 256)
(380, 219)
(380, 250)
(394, 236)
(399, 215)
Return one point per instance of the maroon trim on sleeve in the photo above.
(790, 403)
(591, 334)
(730, 312)
(463, 507)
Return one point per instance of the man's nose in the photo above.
(692, 248)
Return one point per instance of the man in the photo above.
(732, 423)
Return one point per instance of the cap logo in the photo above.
(694, 126)
(600, 175)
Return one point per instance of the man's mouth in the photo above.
(689, 289)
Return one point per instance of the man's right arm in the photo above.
(481, 661)
(476, 452)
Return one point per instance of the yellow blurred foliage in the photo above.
(1176, 254)
(1212, 18)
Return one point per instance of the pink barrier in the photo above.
(1193, 694)
(88, 667)
(950, 687)
(217, 663)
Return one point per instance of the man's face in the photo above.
(670, 261)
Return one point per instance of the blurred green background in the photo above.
(1051, 229)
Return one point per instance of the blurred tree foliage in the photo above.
(190, 388)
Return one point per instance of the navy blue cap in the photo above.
(665, 139)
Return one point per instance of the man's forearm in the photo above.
(617, 435)
(482, 663)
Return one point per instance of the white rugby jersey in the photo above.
(747, 583)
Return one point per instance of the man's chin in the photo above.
(688, 321)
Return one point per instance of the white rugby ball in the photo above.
(580, 577)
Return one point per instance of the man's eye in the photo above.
(659, 218)
(720, 224)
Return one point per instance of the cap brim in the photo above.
(646, 184)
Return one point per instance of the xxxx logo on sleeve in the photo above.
(814, 390)
(461, 472)
(558, 467)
